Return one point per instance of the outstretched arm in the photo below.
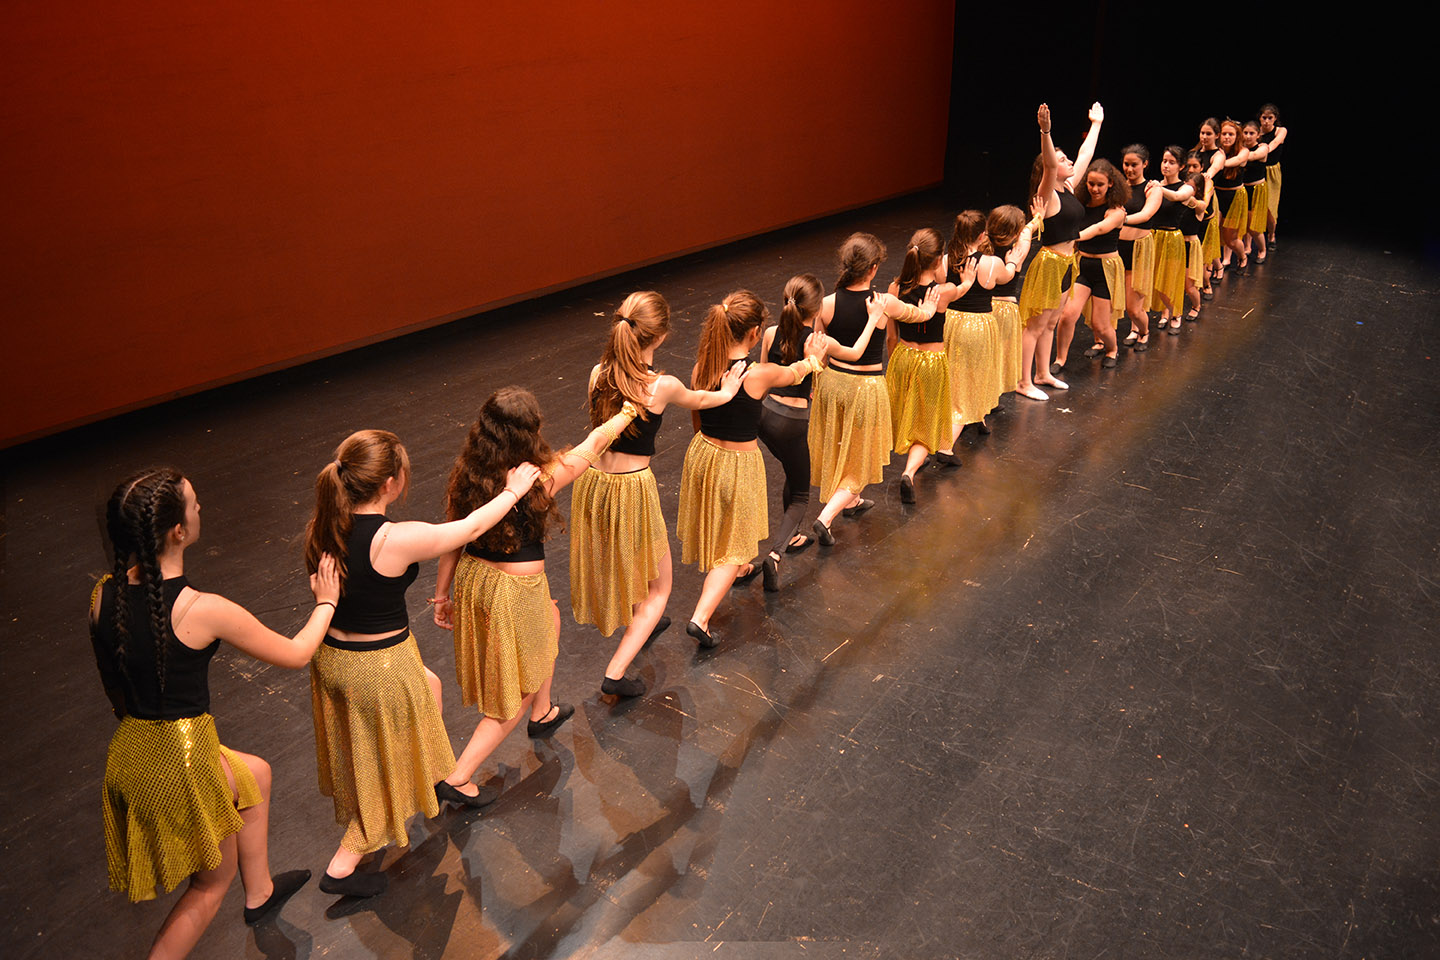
(1049, 162)
(211, 615)
(575, 461)
(412, 541)
(1087, 149)
(1152, 203)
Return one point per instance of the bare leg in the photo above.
(1069, 308)
(253, 841)
(435, 689)
(717, 583)
(489, 734)
(643, 618)
(1100, 326)
(1135, 309)
(838, 501)
(1029, 342)
(197, 906)
(916, 458)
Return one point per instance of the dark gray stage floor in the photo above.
(1148, 677)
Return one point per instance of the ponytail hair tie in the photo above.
(789, 301)
(338, 465)
(725, 307)
(628, 320)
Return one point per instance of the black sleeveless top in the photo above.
(926, 331)
(134, 686)
(1272, 159)
(1229, 178)
(737, 420)
(1205, 157)
(370, 602)
(1136, 203)
(1254, 171)
(1065, 225)
(849, 322)
(1106, 242)
(1010, 288)
(642, 442)
(801, 389)
(1189, 223)
(977, 298)
(1170, 212)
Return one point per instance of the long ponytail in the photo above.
(143, 508)
(726, 324)
(803, 298)
(921, 255)
(362, 464)
(642, 321)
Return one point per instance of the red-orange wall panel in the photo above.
(197, 192)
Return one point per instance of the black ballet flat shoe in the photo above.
(858, 509)
(545, 729)
(1108, 363)
(771, 569)
(1193, 315)
(706, 639)
(447, 792)
(1207, 294)
(1142, 345)
(1055, 368)
(1260, 258)
(983, 428)
(624, 687)
(1272, 243)
(943, 459)
(355, 885)
(661, 626)
(286, 884)
(907, 489)
(1094, 350)
(823, 534)
(748, 575)
(805, 544)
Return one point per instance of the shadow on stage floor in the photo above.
(1150, 675)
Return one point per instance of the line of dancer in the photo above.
(963, 321)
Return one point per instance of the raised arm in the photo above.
(413, 541)
(1087, 149)
(1049, 163)
(1152, 203)
(210, 616)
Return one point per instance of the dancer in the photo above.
(620, 568)
(1234, 201)
(1169, 273)
(1102, 273)
(1210, 223)
(850, 435)
(1010, 236)
(1070, 315)
(1259, 189)
(176, 802)
(1273, 136)
(380, 743)
(971, 337)
(1192, 219)
(722, 485)
(917, 379)
(1137, 245)
(493, 593)
(1044, 300)
(785, 411)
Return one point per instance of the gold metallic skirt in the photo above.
(506, 636)
(1259, 206)
(1041, 291)
(971, 345)
(918, 382)
(1114, 269)
(166, 804)
(1237, 217)
(1011, 327)
(722, 504)
(380, 744)
(617, 539)
(1195, 261)
(1142, 276)
(1211, 243)
(1273, 181)
(850, 437)
(1169, 269)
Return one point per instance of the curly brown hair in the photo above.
(505, 435)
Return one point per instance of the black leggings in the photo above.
(785, 431)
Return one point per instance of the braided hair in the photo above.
(140, 512)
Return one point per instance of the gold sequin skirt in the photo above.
(1012, 328)
(1259, 206)
(1142, 275)
(380, 744)
(1211, 244)
(918, 382)
(1237, 217)
(1195, 261)
(971, 347)
(166, 804)
(722, 504)
(850, 438)
(1041, 291)
(617, 540)
(506, 636)
(1169, 269)
(1273, 180)
(1114, 269)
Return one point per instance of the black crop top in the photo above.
(1065, 225)
(527, 551)
(1229, 178)
(977, 298)
(1136, 203)
(926, 331)
(1168, 216)
(1273, 157)
(370, 602)
(1011, 288)
(849, 322)
(801, 389)
(1189, 223)
(134, 689)
(1106, 242)
(1205, 157)
(737, 420)
(1254, 171)
(642, 442)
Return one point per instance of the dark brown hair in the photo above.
(922, 254)
(505, 435)
(1119, 191)
(969, 224)
(803, 298)
(1003, 226)
(362, 464)
(726, 323)
(642, 320)
(858, 255)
